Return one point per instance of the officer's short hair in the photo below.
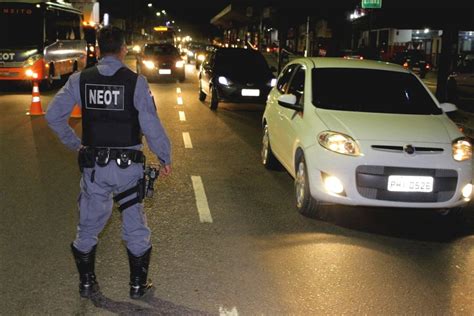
(110, 40)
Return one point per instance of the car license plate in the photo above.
(410, 184)
(416, 68)
(250, 92)
(164, 71)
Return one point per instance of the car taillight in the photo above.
(427, 66)
(405, 65)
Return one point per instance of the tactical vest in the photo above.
(109, 117)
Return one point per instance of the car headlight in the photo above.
(462, 149)
(180, 64)
(149, 64)
(224, 81)
(201, 57)
(91, 48)
(190, 53)
(273, 82)
(136, 49)
(339, 143)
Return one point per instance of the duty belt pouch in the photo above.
(86, 158)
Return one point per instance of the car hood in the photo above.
(391, 127)
(163, 58)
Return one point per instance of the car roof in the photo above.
(337, 62)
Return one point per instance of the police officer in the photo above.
(117, 107)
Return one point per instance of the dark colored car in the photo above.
(161, 61)
(201, 54)
(235, 75)
(414, 60)
(461, 83)
(192, 50)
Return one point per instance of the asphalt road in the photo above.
(252, 254)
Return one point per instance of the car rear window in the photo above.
(367, 90)
(240, 60)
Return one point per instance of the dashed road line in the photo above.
(180, 100)
(178, 90)
(201, 200)
(187, 140)
(182, 116)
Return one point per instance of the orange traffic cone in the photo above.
(76, 112)
(35, 108)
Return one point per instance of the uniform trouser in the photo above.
(95, 207)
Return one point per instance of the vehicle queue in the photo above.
(392, 146)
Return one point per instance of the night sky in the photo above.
(194, 16)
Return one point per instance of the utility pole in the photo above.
(308, 44)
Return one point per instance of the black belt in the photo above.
(123, 157)
(90, 156)
(115, 153)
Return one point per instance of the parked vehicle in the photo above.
(235, 75)
(357, 132)
(161, 61)
(461, 83)
(413, 60)
(40, 41)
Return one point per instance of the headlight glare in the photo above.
(223, 80)
(339, 143)
(462, 149)
(467, 191)
(180, 64)
(201, 57)
(149, 64)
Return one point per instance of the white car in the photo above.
(366, 133)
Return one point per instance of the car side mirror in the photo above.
(448, 107)
(289, 101)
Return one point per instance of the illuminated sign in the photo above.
(160, 28)
(16, 11)
(371, 4)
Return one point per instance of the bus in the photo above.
(163, 35)
(41, 41)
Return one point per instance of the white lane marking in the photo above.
(182, 116)
(187, 140)
(180, 100)
(201, 200)
(226, 312)
(178, 90)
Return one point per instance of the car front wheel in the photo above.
(202, 95)
(305, 203)
(214, 99)
(268, 159)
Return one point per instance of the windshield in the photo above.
(21, 26)
(240, 61)
(161, 50)
(367, 90)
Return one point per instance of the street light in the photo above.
(158, 13)
(163, 11)
(150, 5)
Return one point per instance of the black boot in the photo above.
(139, 284)
(85, 263)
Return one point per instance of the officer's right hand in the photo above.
(165, 170)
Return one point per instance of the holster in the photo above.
(86, 158)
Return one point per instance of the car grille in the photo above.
(372, 182)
